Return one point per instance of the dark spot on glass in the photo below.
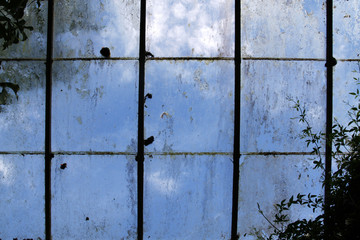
(149, 141)
(148, 54)
(63, 166)
(105, 52)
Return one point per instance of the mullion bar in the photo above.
(236, 151)
(48, 153)
(330, 62)
(141, 102)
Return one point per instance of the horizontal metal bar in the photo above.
(347, 60)
(22, 59)
(176, 59)
(278, 153)
(97, 59)
(191, 59)
(67, 153)
(150, 153)
(68, 59)
(283, 59)
(94, 153)
(180, 59)
(188, 153)
(226, 153)
(22, 153)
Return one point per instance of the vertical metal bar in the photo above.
(330, 62)
(237, 90)
(48, 97)
(140, 150)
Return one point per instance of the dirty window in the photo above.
(189, 122)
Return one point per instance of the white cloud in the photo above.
(165, 185)
(6, 173)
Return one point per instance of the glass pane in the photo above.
(344, 83)
(82, 28)
(95, 106)
(346, 27)
(94, 197)
(283, 29)
(22, 197)
(187, 197)
(191, 109)
(190, 28)
(268, 180)
(35, 45)
(22, 101)
(266, 112)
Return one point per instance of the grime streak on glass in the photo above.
(22, 202)
(187, 197)
(104, 116)
(191, 109)
(84, 27)
(94, 197)
(283, 29)
(22, 119)
(266, 110)
(265, 180)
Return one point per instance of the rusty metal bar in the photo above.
(329, 115)
(237, 94)
(48, 154)
(141, 103)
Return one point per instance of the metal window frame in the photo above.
(49, 154)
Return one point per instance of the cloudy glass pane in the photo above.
(22, 101)
(82, 28)
(35, 46)
(344, 83)
(94, 197)
(346, 27)
(190, 28)
(187, 197)
(268, 180)
(266, 111)
(95, 106)
(191, 109)
(22, 197)
(283, 29)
